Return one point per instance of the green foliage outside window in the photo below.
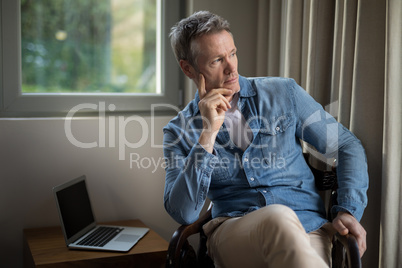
(88, 46)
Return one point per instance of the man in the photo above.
(238, 143)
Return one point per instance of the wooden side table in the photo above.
(45, 247)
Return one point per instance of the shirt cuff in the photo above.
(354, 212)
(204, 160)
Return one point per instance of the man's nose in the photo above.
(230, 66)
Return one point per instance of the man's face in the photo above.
(217, 61)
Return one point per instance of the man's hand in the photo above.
(345, 223)
(213, 105)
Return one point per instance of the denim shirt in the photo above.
(272, 170)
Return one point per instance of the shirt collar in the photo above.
(246, 89)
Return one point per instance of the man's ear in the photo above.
(188, 69)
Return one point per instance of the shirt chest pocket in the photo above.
(276, 137)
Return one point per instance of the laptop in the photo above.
(79, 225)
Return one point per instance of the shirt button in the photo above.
(245, 159)
(251, 179)
(264, 191)
(277, 128)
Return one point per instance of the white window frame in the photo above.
(14, 103)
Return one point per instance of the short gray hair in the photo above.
(187, 30)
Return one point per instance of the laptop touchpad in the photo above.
(127, 238)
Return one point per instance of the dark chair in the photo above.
(345, 251)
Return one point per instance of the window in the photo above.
(60, 54)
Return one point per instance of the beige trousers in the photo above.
(269, 237)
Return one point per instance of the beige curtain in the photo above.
(391, 217)
(347, 55)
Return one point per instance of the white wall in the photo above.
(35, 155)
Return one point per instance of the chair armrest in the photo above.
(349, 243)
(179, 239)
(324, 179)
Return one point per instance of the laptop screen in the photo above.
(75, 208)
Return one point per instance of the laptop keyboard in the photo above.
(100, 236)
